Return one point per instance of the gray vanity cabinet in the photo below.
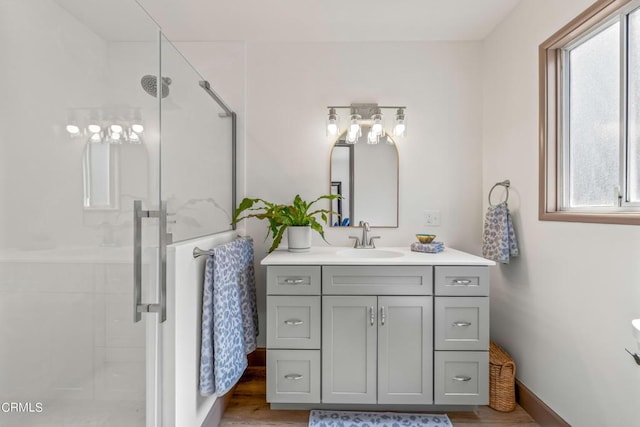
(377, 336)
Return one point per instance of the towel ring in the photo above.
(506, 184)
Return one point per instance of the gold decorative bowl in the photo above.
(425, 238)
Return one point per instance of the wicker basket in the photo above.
(502, 374)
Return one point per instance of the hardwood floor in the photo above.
(248, 407)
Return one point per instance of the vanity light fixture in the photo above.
(97, 126)
(366, 114)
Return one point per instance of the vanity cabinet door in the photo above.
(349, 349)
(405, 353)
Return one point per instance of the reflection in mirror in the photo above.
(366, 175)
(100, 171)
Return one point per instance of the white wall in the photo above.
(51, 62)
(563, 309)
(289, 86)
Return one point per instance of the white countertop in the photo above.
(329, 256)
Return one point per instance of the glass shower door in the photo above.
(197, 152)
(79, 143)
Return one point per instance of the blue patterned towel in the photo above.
(432, 248)
(499, 238)
(320, 418)
(229, 316)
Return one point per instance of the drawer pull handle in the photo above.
(293, 377)
(461, 378)
(293, 281)
(293, 322)
(461, 324)
(461, 282)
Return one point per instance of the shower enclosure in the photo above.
(112, 146)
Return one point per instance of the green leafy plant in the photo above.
(281, 217)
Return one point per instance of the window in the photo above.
(590, 117)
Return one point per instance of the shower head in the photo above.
(150, 85)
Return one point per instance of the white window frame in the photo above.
(554, 113)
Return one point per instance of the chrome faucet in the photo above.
(364, 243)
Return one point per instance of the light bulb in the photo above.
(133, 137)
(376, 127)
(73, 130)
(332, 123)
(137, 128)
(351, 137)
(95, 137)
(399, 128)
(116, 136)
(354, 126)
(116, 128)
(94, 128)
(372, 138)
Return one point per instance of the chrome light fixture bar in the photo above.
(366, 114)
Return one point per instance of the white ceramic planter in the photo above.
(299, 238)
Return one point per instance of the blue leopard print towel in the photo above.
(229, 316)
(499, 241)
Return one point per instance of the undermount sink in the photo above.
(369, 253)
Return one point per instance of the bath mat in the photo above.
(321, 418)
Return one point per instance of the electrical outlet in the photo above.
(432, 218)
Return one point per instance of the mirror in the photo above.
(366, 175)
(113, 171)
(99, 175)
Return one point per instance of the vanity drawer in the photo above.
(293, 322)
(293, 280)
(461, 377)
(462, 323)
(293, 376)
(377, 280)
(462, 281)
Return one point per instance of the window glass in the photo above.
(633, 106)
(594, 127)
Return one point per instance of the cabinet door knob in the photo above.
(461, 282)
(293, 281)
(293, 377)
(293, 322)
(461, 378)
(461, 324)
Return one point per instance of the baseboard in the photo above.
(219, 406)
(539, 411)
(258, 358)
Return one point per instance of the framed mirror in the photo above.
(100, 176)
(366, 175)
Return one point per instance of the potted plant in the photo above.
(296, 218)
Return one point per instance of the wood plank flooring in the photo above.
(248, 408)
